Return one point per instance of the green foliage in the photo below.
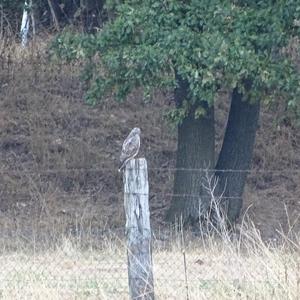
(211, 44)
(73, 46)
(112, 5)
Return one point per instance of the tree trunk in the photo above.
(91, 14)
(25, 24)
(195, 150)
(236, 152)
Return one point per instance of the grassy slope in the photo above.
(46, 126)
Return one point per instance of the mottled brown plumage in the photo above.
(131, 147)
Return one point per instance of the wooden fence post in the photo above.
(138, 230)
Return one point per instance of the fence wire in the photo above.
(101, 169)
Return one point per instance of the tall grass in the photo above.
(185, 267)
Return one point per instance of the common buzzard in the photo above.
(131, 147)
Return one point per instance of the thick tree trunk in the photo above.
(236, 153)
(195, 150)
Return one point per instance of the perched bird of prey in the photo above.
(131, 147)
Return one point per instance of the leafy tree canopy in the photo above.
(210, 44)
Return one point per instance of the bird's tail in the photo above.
(122, 165)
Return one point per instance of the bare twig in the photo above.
(216, 215)
(54, 17)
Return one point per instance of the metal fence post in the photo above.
(138, 230)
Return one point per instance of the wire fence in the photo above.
(101, 169)
(181, 271)
(57, 243)
(34, 183)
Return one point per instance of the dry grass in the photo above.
(243, 267)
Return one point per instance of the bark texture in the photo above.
(236, 153)
(195, 150)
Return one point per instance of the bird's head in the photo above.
(136, 130)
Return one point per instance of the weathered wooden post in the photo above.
(138, 230)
